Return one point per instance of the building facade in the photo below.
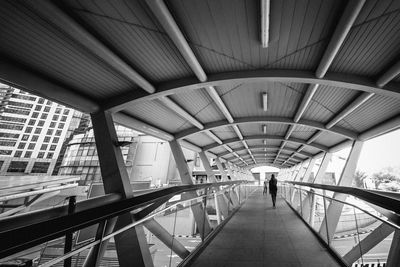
(32, 130)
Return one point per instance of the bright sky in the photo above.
(380, 152)
(377, 154)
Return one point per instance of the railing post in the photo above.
(68, 236)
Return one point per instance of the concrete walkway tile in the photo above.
(258, 235)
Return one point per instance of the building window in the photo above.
(55, 117)
(25, 137)
(28, 154)
(43, 147)
(63, 118)
(11, 126)
(40, 167)
(58, 110)
(35, 114)
(38, 130)
(9, 135)
(46, 109)
(28, 129)
(17, 166)
(31, 146)
(44, 116)
(38, 107)
(5, 152)
(35, 138)
(16, 111)
(18, 153)
(31, 122)
(66, 111)
(56, 139)
(53, 147)
(49, 155)
(49, 132)
(58, 132)
(41, 100)
(40, 123)
(49, 102)
(52, 124)
(46, 139)
(61, 125)
(21, 145)
(40, 155)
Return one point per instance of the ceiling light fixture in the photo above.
(264, 129)
(265, 5)
(265, 101)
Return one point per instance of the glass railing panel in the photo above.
(370, 227)
(345, 235)
(317, 213)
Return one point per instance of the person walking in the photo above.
(265, 191)
(273, 189)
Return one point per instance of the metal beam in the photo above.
(199, 213)
(66, 24)
(166, 20)
(328, 227)
(164, 236)
(230, 79)
(346, 21)
(28, 80)
(350, 108)
(262, 137)
(389, 75)
(133, 123)
(180, 111)
(343, 27)
(257, 147)
(385, 127)
(368, 243)
(393, 258)
(268, 120)
(131, 246)
(220, 104)
(322, 168)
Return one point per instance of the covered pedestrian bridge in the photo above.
(242, 83)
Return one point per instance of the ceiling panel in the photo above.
(203, 108)
(246, 100)
(226, 39)
(376, 110)
(129, 28)
(369, 48)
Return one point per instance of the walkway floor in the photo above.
(258, 235)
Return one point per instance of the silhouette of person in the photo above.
(273, 189)
(265, 187)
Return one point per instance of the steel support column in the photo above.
(165, 237)
(198, 210)
(307, 174)
(335, 208)
(131, 245)
(322, 168)
(223, 207)
(369, 242)
(394, 252)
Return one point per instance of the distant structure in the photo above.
(147, 159)
(32, 130)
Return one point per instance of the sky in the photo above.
(377, 154)
(380, 152)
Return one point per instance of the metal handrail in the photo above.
(24, 231)
(392, 224)
(123, 229)
(373, 197)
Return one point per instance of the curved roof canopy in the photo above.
(323, 74)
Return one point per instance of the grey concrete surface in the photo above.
(258, 235)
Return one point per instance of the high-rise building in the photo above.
(32, 130)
